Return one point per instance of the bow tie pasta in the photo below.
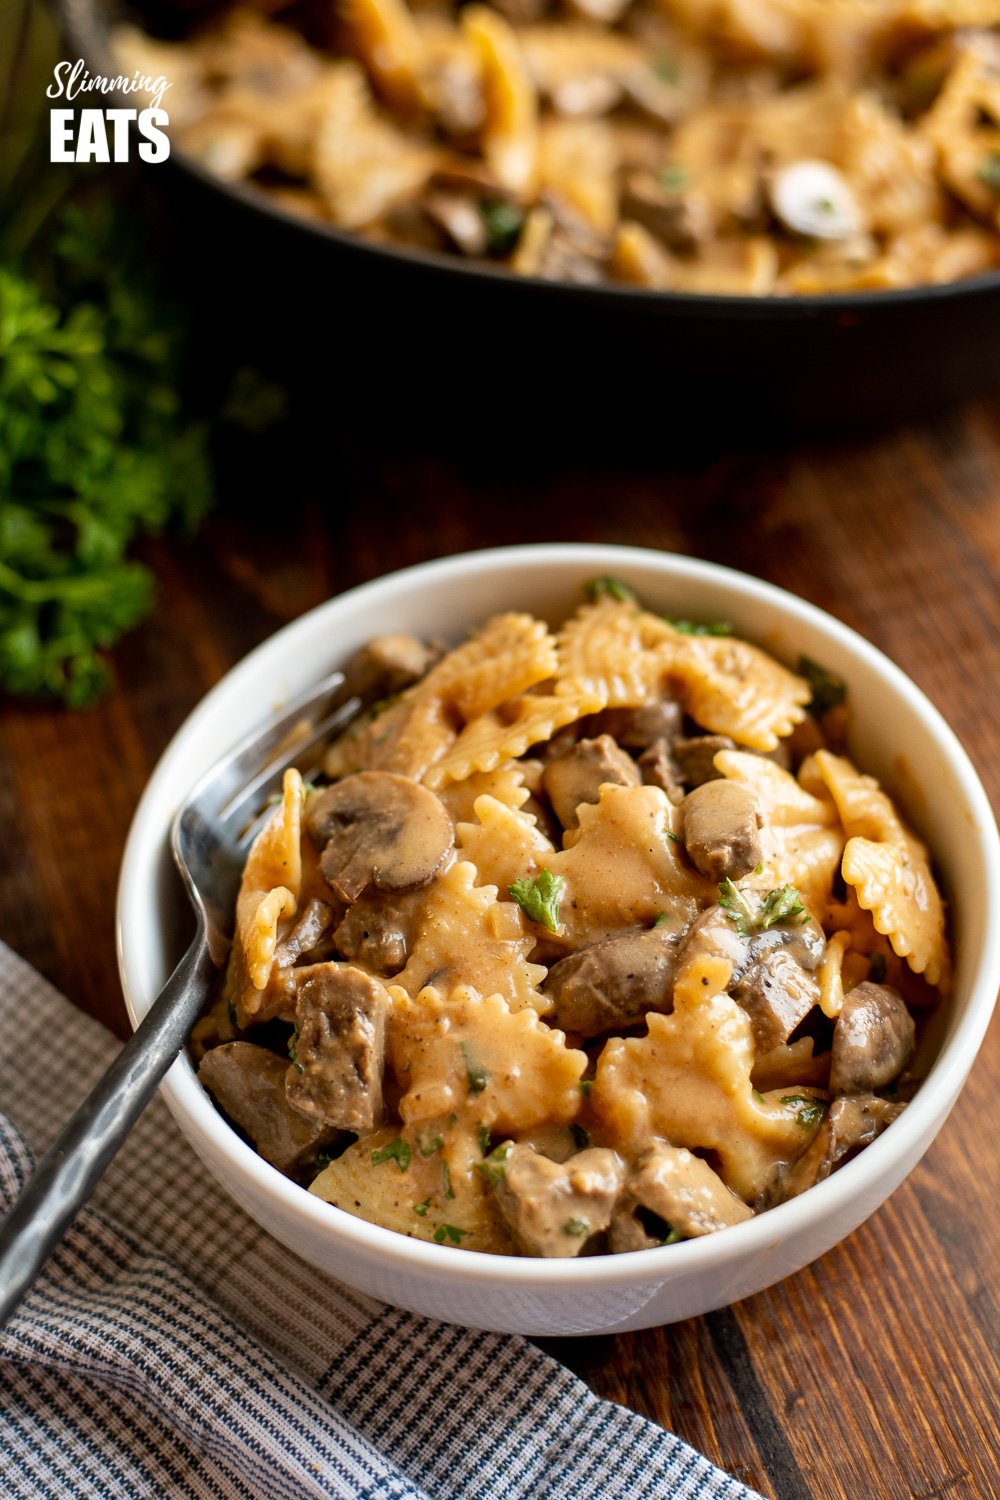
(591, 940)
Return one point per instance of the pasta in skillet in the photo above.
(601, 947)
(708, 146)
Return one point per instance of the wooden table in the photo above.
(872, 1373)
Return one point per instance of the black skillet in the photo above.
(450, 340)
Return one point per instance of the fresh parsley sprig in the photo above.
(748, 915)
(539, 897)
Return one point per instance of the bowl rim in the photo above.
(857, 1180)
(85, 23)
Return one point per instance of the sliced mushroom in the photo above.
(777, 994)
(812, 198)
(719, 825)
(336, 1074)
(680, 1190)
(379, 934)
(378, 828)
(681, 221)
(873, 1039)
(850, 1122)
(305, 935)
(695, 756)
(772, 971)
(554, 1208)
(579, 775)
(248, 1083)
(615, 982)
(461, 219)
(387, 665)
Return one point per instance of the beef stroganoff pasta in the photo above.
(589, 941)
(706, 146)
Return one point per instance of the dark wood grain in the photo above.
(875, 1371)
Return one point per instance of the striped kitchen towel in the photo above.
(171, 1348)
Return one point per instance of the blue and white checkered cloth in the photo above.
(172, 1348)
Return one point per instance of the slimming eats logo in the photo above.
(102, 135)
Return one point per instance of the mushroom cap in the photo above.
(376, 828)
(812, 198)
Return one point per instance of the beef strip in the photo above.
(873, 1039)
(719, 823)
(579, 775)
(614, 982)
(387, 665)
(554, 1208)
(380, 934)
(695, 756)
(658, 768)
(248, 1083)
(340, 1047)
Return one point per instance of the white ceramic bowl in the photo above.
(897, 735)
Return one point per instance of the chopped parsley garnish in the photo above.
(576, 1227)
(783, 904)
(828, 690)
(504, 222)
(664, 916)
(586, 1084)
(989, 171)
(429, 1141)
(597, 588)
(876, 967)
(580, 1137)
(672, 1238)
(539, 898)
(675, 838)
(484, 1139)
(493, 1167)
(758, 1096)
(421, 1208)
(398, 1151)
(669, 69)
(449, 1191)
(293, 1042)
(449, 1232)
(809, 1111)
(780, 905)
(475, 1072)
(701, 627)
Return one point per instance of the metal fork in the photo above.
(210, 836)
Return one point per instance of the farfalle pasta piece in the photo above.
(472, 1056)
(502, 843)
(889, 869)
(801, 839)
(733, 688)
(425, 1187)
(362, 164)
(613, 651)
(512, 653)
(505, 783)
(627, 832)
(506, 733)
(468, 936)
(688, 1082)
(269, 890)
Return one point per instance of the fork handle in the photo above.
(70, 1169)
